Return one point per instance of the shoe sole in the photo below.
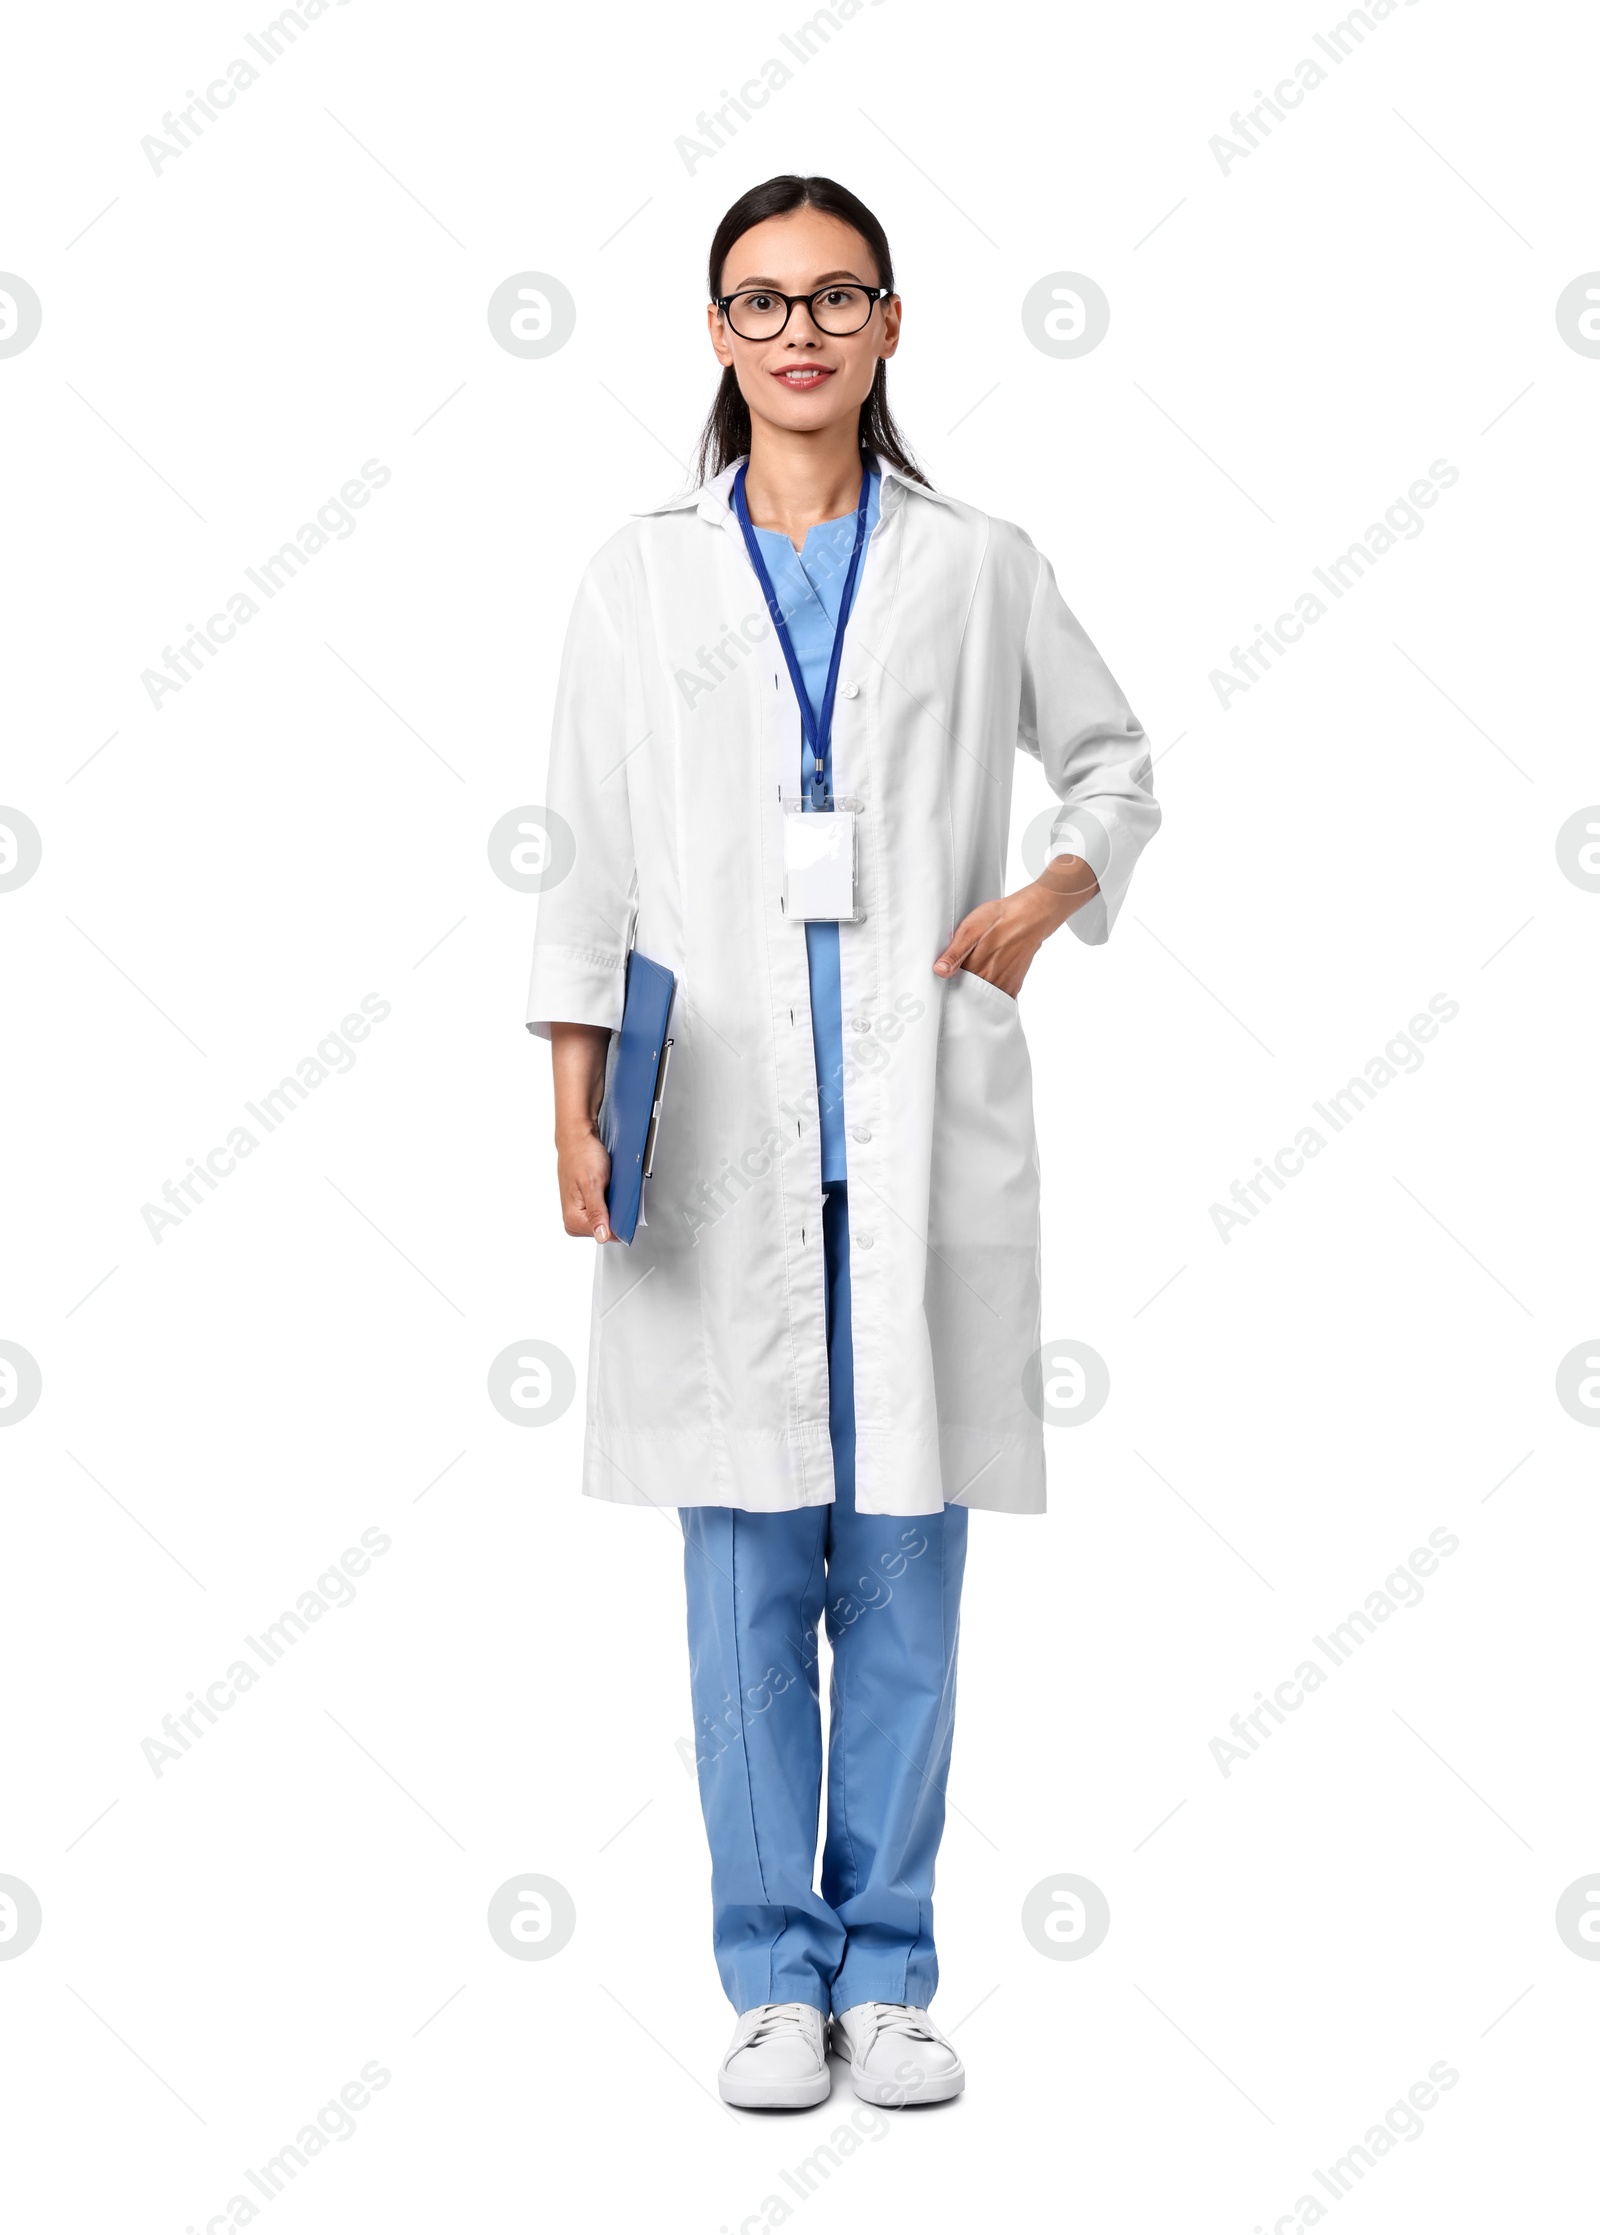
(898, 2095)
(774, 2095)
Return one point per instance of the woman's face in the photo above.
(803, 379)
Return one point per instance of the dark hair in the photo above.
(726, 434)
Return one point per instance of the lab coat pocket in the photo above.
(981, 1291)
(986, 1185)
(989, 986)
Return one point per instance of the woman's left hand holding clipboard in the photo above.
(583, 1169)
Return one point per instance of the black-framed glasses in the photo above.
(761, 313)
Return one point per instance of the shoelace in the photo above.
(895, 2017)
(779, 2017)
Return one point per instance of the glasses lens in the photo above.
(842, 310)
(758, 315)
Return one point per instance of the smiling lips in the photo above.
(804, 376)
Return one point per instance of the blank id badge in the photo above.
(819, 862)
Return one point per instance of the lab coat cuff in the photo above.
(1079, 831)
(576, 985)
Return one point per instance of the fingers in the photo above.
(593, 1196)
(962, 941)
(584, 1205)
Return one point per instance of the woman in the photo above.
(819, 1347)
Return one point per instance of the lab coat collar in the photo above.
(713, 500)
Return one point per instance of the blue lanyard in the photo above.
(818, 727)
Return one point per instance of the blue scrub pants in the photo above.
(890, 1585)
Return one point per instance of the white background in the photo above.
(305, 1355)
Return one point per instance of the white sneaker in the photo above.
(776, 2060)
(897, 2055)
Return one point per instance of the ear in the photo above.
(717, 328)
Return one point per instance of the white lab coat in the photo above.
(675, 727)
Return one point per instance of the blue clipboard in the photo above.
(631, 1111)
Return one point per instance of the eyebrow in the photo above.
(760, 280)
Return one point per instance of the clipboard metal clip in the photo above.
(655, 1113)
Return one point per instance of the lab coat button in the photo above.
(850, 690)
(861, 1024)
(861, 1133)
(864, 1241)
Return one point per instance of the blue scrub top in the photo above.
(808, 585)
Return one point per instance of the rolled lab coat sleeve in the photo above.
(1096, 757)
(581, 936)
